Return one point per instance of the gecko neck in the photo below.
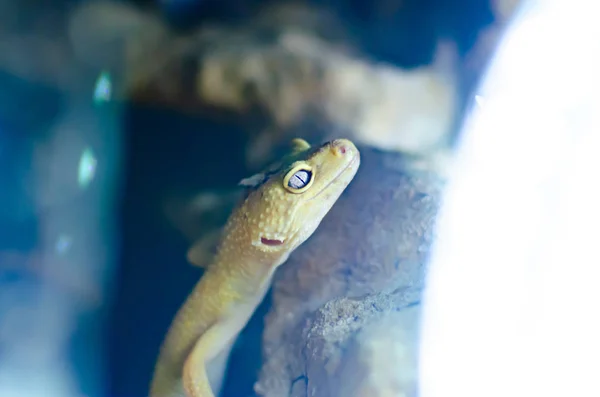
(253, 269)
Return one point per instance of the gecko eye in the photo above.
(299, 179)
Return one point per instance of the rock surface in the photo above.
(382, 359)
(366, 262)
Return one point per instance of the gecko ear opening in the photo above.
(271, 243)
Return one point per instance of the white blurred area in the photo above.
(512, 305)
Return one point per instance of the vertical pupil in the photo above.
(299, 180)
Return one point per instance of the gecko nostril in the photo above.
(339, 147)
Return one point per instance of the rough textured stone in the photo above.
(370, 250)
(382, 359)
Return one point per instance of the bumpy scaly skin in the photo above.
(273, 220)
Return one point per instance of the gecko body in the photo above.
(283, 206)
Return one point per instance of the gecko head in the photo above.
(287, 202)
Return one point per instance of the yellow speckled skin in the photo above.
(273, 220)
